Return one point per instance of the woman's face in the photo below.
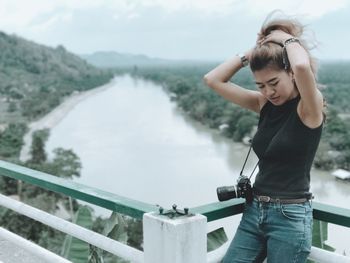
(276, 85)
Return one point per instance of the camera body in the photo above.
(242, 189)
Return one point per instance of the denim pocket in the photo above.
(296, 212)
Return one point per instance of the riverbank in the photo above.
(56, 115)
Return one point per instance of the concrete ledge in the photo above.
(15, 249)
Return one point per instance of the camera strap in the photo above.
(250, 148)
(241, 173)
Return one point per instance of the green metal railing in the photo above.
(328, 213)
(107, 200)
(136, 209)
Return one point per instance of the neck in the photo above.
(294, 94)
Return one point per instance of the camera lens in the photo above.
(226, 192)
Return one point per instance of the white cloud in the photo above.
(310, 9)
(20, 13)
(207, 6)
(15, 14)
(46, 24)
(256, 8)
(166, 28)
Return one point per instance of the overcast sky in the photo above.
(176, 29)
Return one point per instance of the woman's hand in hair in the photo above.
(276, 36)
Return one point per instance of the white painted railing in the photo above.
(218, 254)
(166, 240)
(324, 256)
(74, 230)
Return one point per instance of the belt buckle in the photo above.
(264, 198)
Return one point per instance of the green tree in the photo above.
(20, 224)
(245, 125)
(65, 163)
(323, 159)
(11, 140)
(37, 150)
(12, 107)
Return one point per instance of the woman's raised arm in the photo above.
(219, 80)
(311, 103)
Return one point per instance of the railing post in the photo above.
(180, 239)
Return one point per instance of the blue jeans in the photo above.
(280, 232)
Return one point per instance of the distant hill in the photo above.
(35, 78)
(111, 59)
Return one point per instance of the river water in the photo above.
(133, 141)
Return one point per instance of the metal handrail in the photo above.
(104, 199)
(136, 209)
(328, 213)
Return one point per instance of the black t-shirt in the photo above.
(286, 148)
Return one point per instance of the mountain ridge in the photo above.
(110, 59)
(35, 78)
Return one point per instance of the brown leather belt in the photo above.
(268, 199)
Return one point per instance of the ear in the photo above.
(291, 74)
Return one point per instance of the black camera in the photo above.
(242, 189)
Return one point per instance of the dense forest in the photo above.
(35, 78)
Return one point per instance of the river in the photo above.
(133, 141)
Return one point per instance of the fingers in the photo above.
(275, 36)
(262, 40)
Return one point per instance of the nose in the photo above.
(270, 92)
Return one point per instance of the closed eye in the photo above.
(275, 83)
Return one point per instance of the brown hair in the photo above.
(270, 54)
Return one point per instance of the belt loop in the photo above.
(310, 199)
(278, 202)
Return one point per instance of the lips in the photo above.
(274, 98)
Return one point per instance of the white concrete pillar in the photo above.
(179, 240)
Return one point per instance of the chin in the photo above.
(277, 101)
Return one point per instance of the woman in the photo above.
(278, 223)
